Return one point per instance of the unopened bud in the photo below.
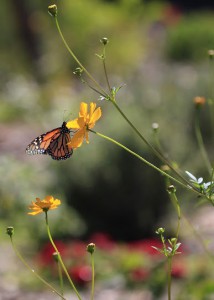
(91, 248)
(104, 41)
(199, 101)
(56, 256)
(211, 53)
(171, 189)
(160, 230)
(52, 9)
(173, 241)
(155, 126)
(10, 230)
(78, 71)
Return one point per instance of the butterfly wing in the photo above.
(58, 148)
(53, 143)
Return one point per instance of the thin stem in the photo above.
(212, 175)
(155, 151)
(59, 257)
(211, 92)
(33, 271)
(175, 202)
(169, 276)
(145, 161)
(60, 276)
(104, 67)
(92, 280)
(94, 89)
(201, 142)
(157, 141)
(211, 180)
(77, 60)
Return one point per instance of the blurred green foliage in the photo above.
(191, 38)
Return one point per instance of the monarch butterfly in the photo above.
(54, 143)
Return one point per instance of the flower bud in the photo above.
(52, 9)
(55, 256)
(171, 189)
(90, 248)
(211, 54)
(160, 230)
(104, 41)
(155, 126)
(10, 230)
(78, 71)
(199, 101)
(173, 241)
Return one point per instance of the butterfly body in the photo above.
(54, 143)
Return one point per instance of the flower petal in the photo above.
(83, 109)
(73, 124)
(77, 123)
(77, 139)
(95, 117)
(92, 109)
(43, 205)
(49, 198)
(35, 212)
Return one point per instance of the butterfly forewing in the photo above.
(36, 147)
(53, 143)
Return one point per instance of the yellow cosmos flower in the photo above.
(82, 124)
(199, 101)
(43, 205)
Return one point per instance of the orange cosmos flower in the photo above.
(43, 205)
(82, 124)
(199, 101)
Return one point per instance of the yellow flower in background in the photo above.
(43, 205)
(82, 124)
(199, 101)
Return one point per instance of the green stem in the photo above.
(77, 60)
(157, 142)
(33, 271)
(155, 151)
(60, 276)
(201, 142)
(92, 281)
(211, 92)
(211, 180)
(105, 70)
(169, 277)
(59, 257)
(145, 161)
(175, 202)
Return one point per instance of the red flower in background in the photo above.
(45, 256)
(81, 274)
(178, 269)
(145, 246)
